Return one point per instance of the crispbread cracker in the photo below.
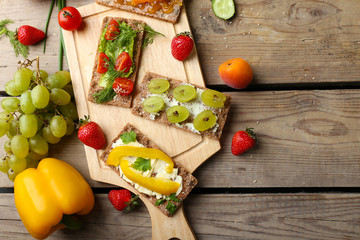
(121, 101)
(189, 181)
(161, 117)
(169, 17)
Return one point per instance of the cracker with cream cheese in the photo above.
(188, 181)
(194, 106)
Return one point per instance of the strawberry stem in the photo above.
(250, 132)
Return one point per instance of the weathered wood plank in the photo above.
(33, 13)
(306, 139)
(284, 41)
(222, 216)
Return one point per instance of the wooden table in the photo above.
(302, 181)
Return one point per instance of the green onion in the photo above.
(47, 22)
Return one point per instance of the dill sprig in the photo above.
(150, 34)
(104, 95)
(107, 94)
(19, 48)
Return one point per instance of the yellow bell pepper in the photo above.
(118, 153)
(46, 196)
(160, 185)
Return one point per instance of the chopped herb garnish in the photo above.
(19, 48)
(172, 197)
(159, 202)
(104, 95)
(171, 207)
(142, 164)
(150, 35)
(128, 137)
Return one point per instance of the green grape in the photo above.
(69, 89)
(10, 104)
(59, 96)
(40, 96)
(31, 163)
(8, 116)
(14, 127)
(158, 86)
(70, 126)
(58, 126)
(7, 146)
(65, 74)
(11, 89)
(38, 144)
(28, 71)
(17, 164)
(43, 75)
(28, 125)
(11, 174)
(213, 98)
(40, 123)
(46, 117)
(26, 103)
(177, 114)
(58, 80)
(50, 108)
(34, 156)
(205, 120)
(4, 165)
(4, 127)
(22, 79)
(20, 146)
(184, 93)
(69, 110)
(153, 104)
(49, 136)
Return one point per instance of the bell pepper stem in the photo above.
(71, 222)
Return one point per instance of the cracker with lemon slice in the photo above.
(182, 105)
(130, 136)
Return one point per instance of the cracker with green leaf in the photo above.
(168, 204)
(131, 37)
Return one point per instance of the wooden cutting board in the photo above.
(190, 150)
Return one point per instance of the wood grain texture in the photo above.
(306, 139)
(260, 216)
(284, 41)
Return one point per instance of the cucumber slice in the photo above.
(223, 9)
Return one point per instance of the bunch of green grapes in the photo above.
(41, 112)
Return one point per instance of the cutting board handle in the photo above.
(175, 227)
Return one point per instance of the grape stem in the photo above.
(26, 63)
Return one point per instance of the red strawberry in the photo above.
(29, 35)
(91, 134)
(123, 200)
(182, 45)
(242, 141)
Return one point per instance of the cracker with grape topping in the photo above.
(194, 106)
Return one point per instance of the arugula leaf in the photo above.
(128, 137)
(171, 207)
(142, 164)
(159, 201)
